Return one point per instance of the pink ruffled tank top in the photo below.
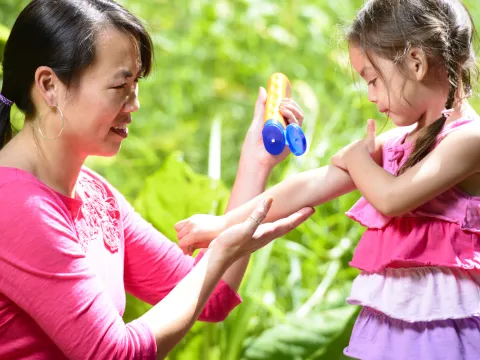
(443, 232)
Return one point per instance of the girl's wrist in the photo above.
(228, 220)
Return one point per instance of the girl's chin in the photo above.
(400, 121)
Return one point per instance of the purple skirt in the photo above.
(376, 336)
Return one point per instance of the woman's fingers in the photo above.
(269, 232)
(258, 215)
(292, 106)
(288, 115)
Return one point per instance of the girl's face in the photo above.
(98, 109)
(401, 96)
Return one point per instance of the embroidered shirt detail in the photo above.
(98, 216)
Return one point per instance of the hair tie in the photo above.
(447, 112)
(4, 100)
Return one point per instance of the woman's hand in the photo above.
(341, 158)
(253, 148)
(245, 238)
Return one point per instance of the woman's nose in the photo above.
(132, 103)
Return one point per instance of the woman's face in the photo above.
(98, 109)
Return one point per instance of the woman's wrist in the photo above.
(220, 257)
(253, 168)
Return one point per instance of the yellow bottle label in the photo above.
(278, 88)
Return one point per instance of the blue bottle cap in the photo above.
(296, 140)
(273, 135)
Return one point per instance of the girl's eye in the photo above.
(373, 82)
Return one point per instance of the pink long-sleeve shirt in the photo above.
(65, 264)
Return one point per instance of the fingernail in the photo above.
(267, 202)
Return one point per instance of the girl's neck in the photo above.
(460, 109)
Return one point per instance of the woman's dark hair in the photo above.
(443, 29)
(60, 34)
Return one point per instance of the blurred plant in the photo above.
(211, 56)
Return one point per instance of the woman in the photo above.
(71, 244)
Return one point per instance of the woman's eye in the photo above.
(373, 82)
(119, 86)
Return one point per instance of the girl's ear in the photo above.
(417, 63)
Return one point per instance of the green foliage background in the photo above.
(211, 57)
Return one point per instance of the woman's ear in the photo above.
(417, 63)
(46, 85)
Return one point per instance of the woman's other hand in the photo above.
(247, 237)
(253, 149)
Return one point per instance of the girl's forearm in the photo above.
(309, 188)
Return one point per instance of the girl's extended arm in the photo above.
(309, 188)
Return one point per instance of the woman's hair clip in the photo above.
(447, 112)
(4, 100)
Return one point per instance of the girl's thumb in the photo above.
(371, 132)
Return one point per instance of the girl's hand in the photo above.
(245, 238)
(198, 231)
(341, 158)
(253, 148)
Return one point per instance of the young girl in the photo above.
(420, 255)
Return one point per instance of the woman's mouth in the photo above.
(120, 130)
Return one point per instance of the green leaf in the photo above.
(299, 338)
(334, 350)
(4, 33)
(176, 192)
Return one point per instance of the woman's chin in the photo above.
(108, 151)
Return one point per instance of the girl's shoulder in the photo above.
(467, 124)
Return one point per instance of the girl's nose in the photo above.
(372, 95)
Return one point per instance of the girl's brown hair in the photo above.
(443, 29)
